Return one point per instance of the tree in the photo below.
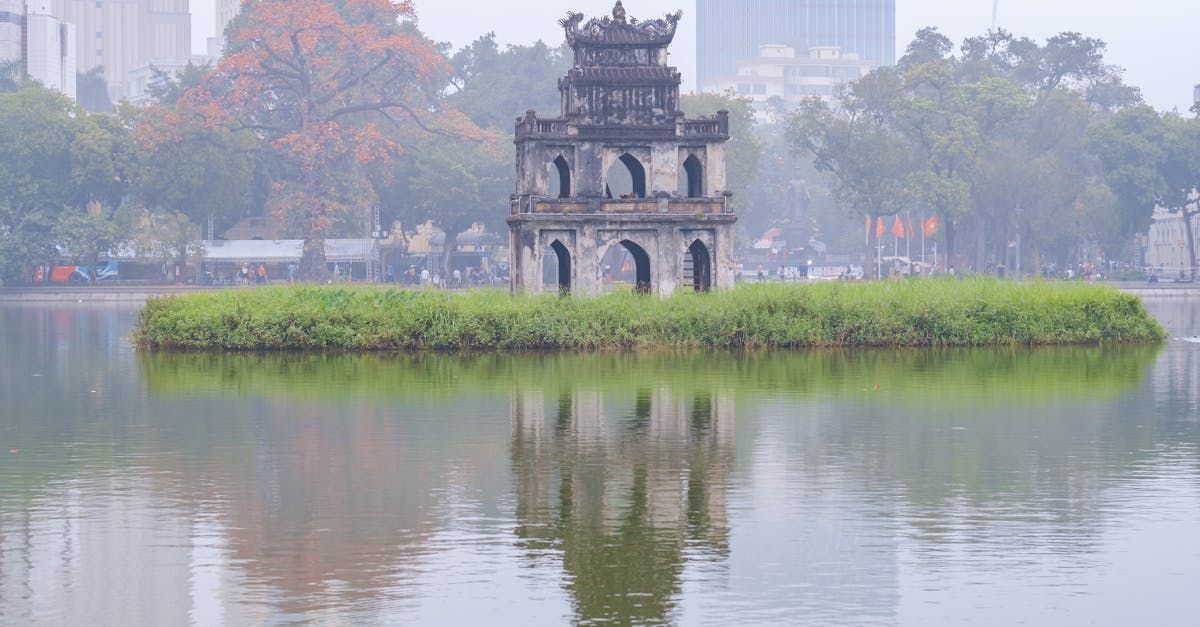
(11, 75)
(318, 81)
(1181, 174)
(37, 129)
(203, 173)
(1130, 147)
(859, 146)
(91, 89)
(170, 238)
(86, 236)
(453, 182)
(65, 172)
(494, 87)
(166, 88)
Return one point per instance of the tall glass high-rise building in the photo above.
(728, 31)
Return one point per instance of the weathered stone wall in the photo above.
(587, 237)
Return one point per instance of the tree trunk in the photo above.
(94, 270)
(312, 261)
(1191, 240)
(448, 253)
(950, 233)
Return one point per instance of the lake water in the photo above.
(1057, 486)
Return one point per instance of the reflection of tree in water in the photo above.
(622, 496)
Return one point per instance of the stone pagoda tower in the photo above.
(621, 166)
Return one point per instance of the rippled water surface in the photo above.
(1057, 486)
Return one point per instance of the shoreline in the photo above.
(142, 293)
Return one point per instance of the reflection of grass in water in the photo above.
(954, 375)
(916, 313)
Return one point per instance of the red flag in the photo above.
(868, 226)
(898, 227)
(931, 225)
(880, 229)
(911, 232)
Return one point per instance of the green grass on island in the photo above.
(885, 314)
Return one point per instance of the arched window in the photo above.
(559, 175)
(625, 179)
(697, 267)
(693, 174)
(556, 267)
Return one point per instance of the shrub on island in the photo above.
(977, 312)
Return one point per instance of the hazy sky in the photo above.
(1154, 40)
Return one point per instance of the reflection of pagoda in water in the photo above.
(622, 492)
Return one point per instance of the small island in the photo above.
(930, 313)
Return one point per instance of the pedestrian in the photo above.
(292, 272)
(457, 279)
(262, 274)
(244, 274)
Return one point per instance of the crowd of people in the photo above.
(456, 279)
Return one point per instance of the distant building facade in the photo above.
(122, 35)
(226, 11)
(729, 31)
(43, 44)
(49, 48)
(779, 72)
(1167, 244)
(12, 22)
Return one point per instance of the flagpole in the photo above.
(922, 237)
(908, 240)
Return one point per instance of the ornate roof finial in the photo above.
(619, 13)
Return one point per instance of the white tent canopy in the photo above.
(285, 250)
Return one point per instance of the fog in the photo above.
(1152, 39)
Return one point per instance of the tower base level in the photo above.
(585, 255)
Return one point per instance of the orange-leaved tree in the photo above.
(324, 85)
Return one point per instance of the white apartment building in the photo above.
(43, 44)
(49, 48)
(12, 19)
(125, 34)
(779, 72)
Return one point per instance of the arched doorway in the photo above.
(626, 178)
(626, 265)
(693, 175)
(697, 266)
(556, 268)
(559, 176)
(641, 262)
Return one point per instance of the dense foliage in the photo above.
(322, 110)
(917, 313)
(1008, 141)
